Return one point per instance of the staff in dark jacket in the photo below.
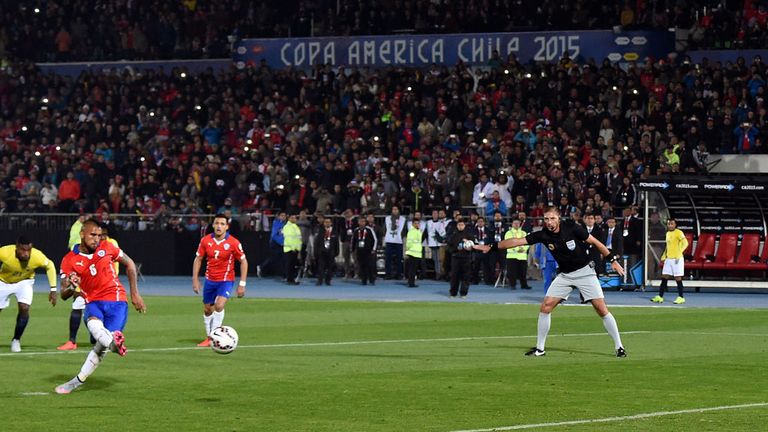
(461, 243)
(326, 251)
(480, 260)
(364, 247)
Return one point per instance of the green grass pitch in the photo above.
(376, 366)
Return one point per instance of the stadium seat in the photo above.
(749, 249)
(704, 246)
(750, 246)
(688, 250)
(726, 252)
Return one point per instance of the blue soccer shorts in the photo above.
(113, 314)
(212, 289)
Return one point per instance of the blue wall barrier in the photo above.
(166, 66)
(727, 55)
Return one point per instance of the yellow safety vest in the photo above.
(291, 237)
(520, 252)
(413, 246)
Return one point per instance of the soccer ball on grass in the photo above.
(223, 339)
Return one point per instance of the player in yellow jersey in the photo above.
(78, 304)
(17, 276)
(673, 262)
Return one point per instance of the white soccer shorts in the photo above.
(584, 279)
(78, 303)
(22, 290)
(673, 267)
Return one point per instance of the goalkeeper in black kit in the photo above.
(461, 243)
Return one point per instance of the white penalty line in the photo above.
(621, 418)
(327, 344)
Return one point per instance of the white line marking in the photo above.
(622, 418)
(34, 394)
(323, 344)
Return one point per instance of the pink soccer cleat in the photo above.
(118, 343)
(206, 343)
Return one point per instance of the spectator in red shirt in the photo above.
(69, 192)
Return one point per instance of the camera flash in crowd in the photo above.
(37, 10)
(183, 75)
(506, 71)
(412, 175)
(246, 148)
(37, 153)
(58, 148)
(23, 128)
(376, 138)
(198, 107)
(45, 100)
(142, 159)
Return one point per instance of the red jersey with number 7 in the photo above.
(98, 280)
(220, 256)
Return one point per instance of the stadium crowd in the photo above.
(94, 30)
(329, 140)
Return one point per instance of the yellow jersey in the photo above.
(676, 244)
(13, 270)
(114, 242)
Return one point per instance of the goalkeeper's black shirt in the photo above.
(567, 246)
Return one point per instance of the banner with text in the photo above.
(475, 49)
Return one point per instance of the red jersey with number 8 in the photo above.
(220, 257)
(98, 280)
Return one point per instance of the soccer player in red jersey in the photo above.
(90, 266)
(220, 249)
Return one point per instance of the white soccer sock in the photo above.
(95, 356)
(545, 320)
(609, 322)
(100, 333)
(218, 318)
(207, 319)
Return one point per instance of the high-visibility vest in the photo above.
(520, 252)
(413, 246)
(292, 237)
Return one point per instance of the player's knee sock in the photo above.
(95, 356)
(74, 324)
(218, 319)
(207, 319)
(101, 334)
(662, 287)
(609, 322)
(21, 324)
(680, 287)
(545, 320)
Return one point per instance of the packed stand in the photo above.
(330, 141)
(100, 30)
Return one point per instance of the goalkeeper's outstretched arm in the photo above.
(511, 243)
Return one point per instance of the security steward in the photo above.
(517, 257)
(413, 251)
(291, 249)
